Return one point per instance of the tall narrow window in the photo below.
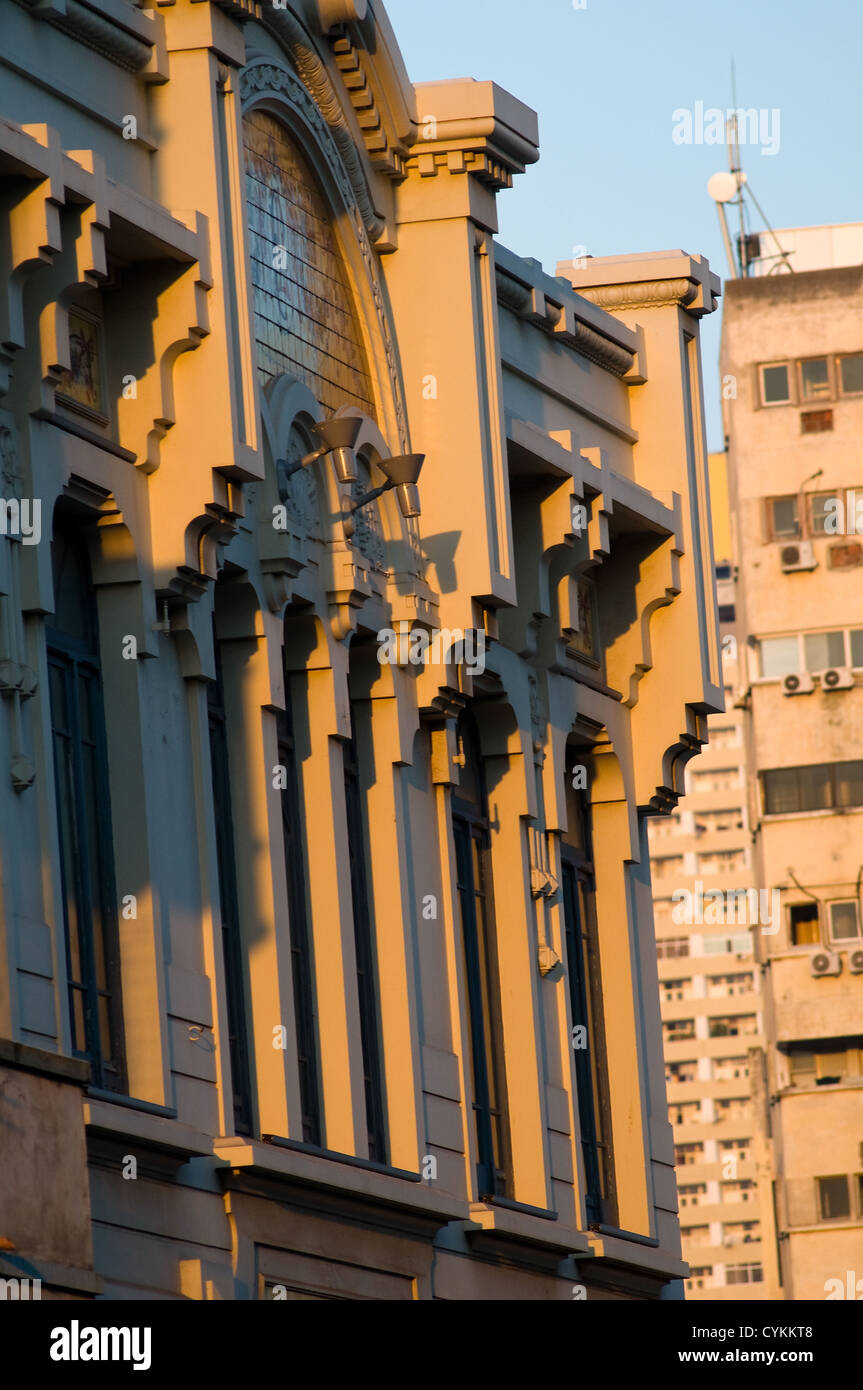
(585, 998)
(367, 988)
(232, 949)
(473, 869)
(84, 812)
(301, 955)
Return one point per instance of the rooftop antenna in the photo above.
(728, 188)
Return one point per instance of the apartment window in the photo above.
(730, 1069)
(775, 384)
(232, 946)
(815, 379)
(674, 989)
(301, 951)
(817, 787)
(844, 920)
(744, 1274)
(723, 571)
(367, 985)
(732, 1026)
(726, 612)
(783, 518)
(85, 835)
(811, 651)
(734, 1192)
(780, 656)
(737, 1232)
(851, 374)
(681, 1071)
(834, 1198)
(803, 924)
(720, 986)
(836, 512)
(672, 947)
(823, 649)
(690, 1194)
(700, 1277)
(738, 1147)
(687, 1154)
(831, 1062)
(585, 994)
(739, 944)
(474, 883)
(678, 1029)
(696, 1235)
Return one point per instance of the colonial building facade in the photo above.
(326, 939)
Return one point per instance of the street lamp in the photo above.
(402, 474)
(337, 437)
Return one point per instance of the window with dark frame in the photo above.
(232, 946)
(301, 951)
(851, 374)
(367, 983)
(783, 518)
(593, 1094)
(775, 384)
(816, 787)
(803, 924)
(85, 835)
(471, 830)
(815, 379)
(834, 1198)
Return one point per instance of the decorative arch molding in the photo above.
(327, 142)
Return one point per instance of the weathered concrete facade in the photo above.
(793, 354)
(323, 975)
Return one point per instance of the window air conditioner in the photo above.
(855, 961)
(825, 963)
(800, 683)
(799, 556)
(837, 678)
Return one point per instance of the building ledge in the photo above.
(51, 1064)
(273, 1170)
(158, 1134)
(619, 1251)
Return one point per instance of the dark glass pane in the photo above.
(782, 791)
(775, 384)
(814, 379)
(367, 991)
(785, 521)
(301, 952)
(851, 368)
(849, 784)
(835, 1198)
(83, 808)
(232, 949)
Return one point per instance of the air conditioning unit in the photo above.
(800, 683)
(825, 963)
(855, 961)
(837, 678)
(800, 556)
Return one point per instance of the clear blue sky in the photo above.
(605, 81)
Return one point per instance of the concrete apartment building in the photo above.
(711, 988)
(792, 362)
(327, 965)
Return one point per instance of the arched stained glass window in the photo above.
(306, 319)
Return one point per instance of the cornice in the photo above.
(561, 322)
(645, 294)
(128, 42)
(385, 156)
